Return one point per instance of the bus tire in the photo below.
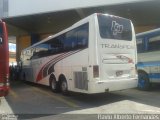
(53, 84)
(143, 81)
(64, 86)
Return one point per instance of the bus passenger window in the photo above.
(154, 44)
(70, 40)
(140, 46)
(82, 35)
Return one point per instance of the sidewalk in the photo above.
(6, 112)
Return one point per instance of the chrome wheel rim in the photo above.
(53, 85)
(64, 86)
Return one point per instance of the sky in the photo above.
(12, 47)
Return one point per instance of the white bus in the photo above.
(148, 48)
(95, 55)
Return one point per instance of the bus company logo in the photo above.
(116, 28)
(117, 46)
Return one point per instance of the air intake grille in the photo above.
(81, 80)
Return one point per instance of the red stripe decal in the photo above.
(52, 62)
(40, 74)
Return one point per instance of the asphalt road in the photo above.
(30, 101)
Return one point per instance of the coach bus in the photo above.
(4, 60)
(148, 48)
(95, 55)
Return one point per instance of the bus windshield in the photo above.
(112, 27)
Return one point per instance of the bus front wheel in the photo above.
(143, 81)
(53, 84)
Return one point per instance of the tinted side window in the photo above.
(41, 50)
(140, 46)
(55, 45)
(82, 36)
(70, 41)
(153, 45)
(76, 38)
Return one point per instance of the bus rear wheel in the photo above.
(143, 81)
(64, 87)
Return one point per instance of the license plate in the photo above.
(119, 73)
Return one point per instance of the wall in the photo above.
(140, 29)
(22, 43)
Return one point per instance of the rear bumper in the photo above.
(4, 90)
(111, 85)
